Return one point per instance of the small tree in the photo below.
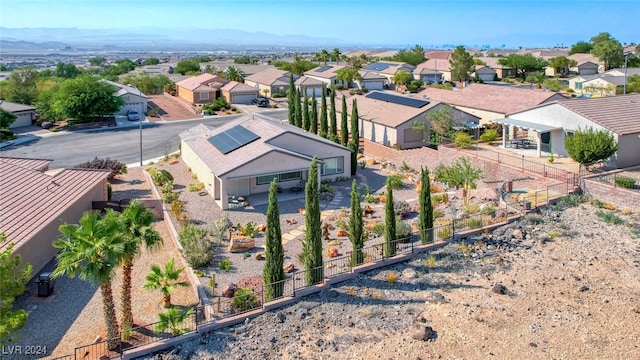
(312, 244)
(291, 98)
(333, 123)
(196, 248)
(461, 63)
(314, 115)
(6, 119)
(426, 208)
(324, 124)
(356, 226)
(297, 110)
(390, 225)
(590, 146)
(344, 130)
(272, 272)
(13, 277)
(172, 320)
(306, 117)
(166, 280)
(401, 78)
(460, 174)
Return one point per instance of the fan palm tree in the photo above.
(165, 280)
(336, 54)
(136, 221)
(172, 320)
(324, 54)
(90, 250)
(233, 73)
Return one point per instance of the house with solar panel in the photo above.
(242, 157)
(270, 81)
(389, 68)
(387, 118)
(327, 74)
(547, 125)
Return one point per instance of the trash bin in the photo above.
(45, 284)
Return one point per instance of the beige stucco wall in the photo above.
(185, 94)
(485, 116)
(199, 168)
(38, 249)
(627, 154)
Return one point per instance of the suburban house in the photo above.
(371, 81)
(433, 71)
(389, 68)
(610, 82)
(270, 81)
(238, 93)
(243, 156)
(309, 86)
(36, 201)
(327, 74)
(502, 71)
(133, 98)
(25, 114)
(200, 89)
(550, 123)
(438, 54)
(586, 64)
(490, 102)
(387, 118)
(484, 73)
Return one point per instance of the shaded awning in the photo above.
(526, 125)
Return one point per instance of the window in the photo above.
(578, 86)
(264, 180)
(332, 166)
(204, 95)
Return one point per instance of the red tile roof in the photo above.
(207, 80)
(33, 164)
(620, 113)
(31, 199)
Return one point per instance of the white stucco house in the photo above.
(551, 123)
(243, 156)
(25, 114)
(133, 98)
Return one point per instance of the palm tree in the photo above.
(336, 54)
(136, 221)
(233, 73)
(538, 78)
(324, 54)
(172, 320)
(91, 250)
(165, 280)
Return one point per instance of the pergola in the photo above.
(539, 129)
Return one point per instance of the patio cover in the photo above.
(526, 125)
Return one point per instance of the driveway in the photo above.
(171, 109)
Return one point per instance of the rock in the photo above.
(229, 290)
(332, 252)
(259, 256)
(280, 317)
(288, 269)
(422, 332)
(499, 289)
(518, 234)
(409, 273)
(333, 294)
(241, 244)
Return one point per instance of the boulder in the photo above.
(420, 330)
(259, 256)
(409, 273)
(229, 290)
(518, 234)
(241, 244)
(288, 269)
(499, 289)
(332, 252)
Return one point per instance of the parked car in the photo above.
(133, 115)
(260, 102)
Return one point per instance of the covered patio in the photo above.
(538, 135)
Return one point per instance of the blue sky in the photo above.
(399, 22)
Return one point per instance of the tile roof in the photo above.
(307, 81)
(31, 199)
(499, 99)
(202, 82)
(125, 89)
(368, 75)
(234, 86)
(386, 113)
(583, 58)
(329, 72)
(620, 113)
(32, 164)
(270, 76)
(15, 107)
(492, 62)
(267, 129)
(438, 54)
(432, 64)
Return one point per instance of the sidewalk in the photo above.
(27, 134)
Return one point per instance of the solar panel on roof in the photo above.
(232, 139)
(379, 66)
(400, 100)
(324, 68)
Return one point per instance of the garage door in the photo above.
(242, 98)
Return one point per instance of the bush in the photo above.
(401, 208)
(488, 210)
(371, 198)
(115, 166)
(224, 265)
(196, 187)
(489, 135)
(471, 209)
(474, 223)
(609, 217)
(6, 134)
(196, 248)
(339, 87)
(244, 300)
(444, 233)
(625, 182)
(161, 177)
(250, 229)
(462, 140)
(170, 197)
(403, 229)
(166, 188)
(395, 181)
(277, 96)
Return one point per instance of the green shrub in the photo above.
(470, 209)
(395, 181)
(277, 96)
(249, 229)
(597, 203)
(444, 233)
(440, 198)
(161, 177)
(474, 223)
(489, 135)
(196, 187)
(401, 208)
(244, 300)
(437, 214)
(196, 248)
(405, 167)
(170, 197)
(488, 210)
(462, 140)
(166, 188)
(224, 265)
(572, 200)
(625, 182)
(609, 217)
(371, 198)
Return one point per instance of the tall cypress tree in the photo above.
(324, 124)
(333, 124)
(344, 130)
(273, 272)
(298, 110)
(426, 208)
(389, 224)
(355, 119)
(291, 98)
(356, 227)
(314, 114)
(306, 124)
(312, 244)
